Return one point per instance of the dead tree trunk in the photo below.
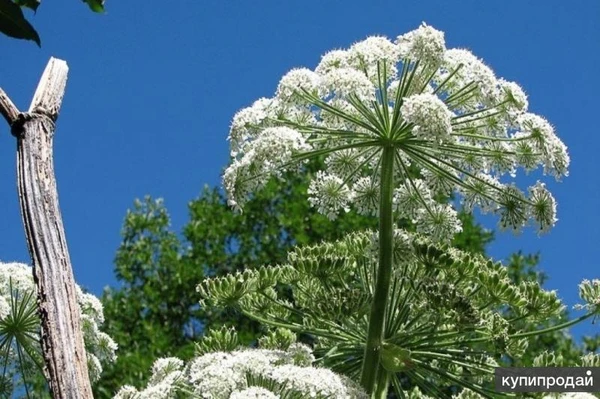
(61, 337)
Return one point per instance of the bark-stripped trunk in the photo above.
(61, 339)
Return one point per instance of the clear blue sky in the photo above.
(153, 87)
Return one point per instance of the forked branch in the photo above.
(61, 336)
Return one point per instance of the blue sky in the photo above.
(153, 87)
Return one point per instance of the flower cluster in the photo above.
(16, 281)
(589, 292)
(245, 374)
(454, 127)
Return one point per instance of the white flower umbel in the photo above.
(441, 111)
(410, 198)
(543, 207)
(249, 373)
(297, 80)
(425, 43)
(266, 156)
(343, 82)
(365, 56)
(512, 94)
(166, 369)
(249, 121)
(480, 193)
(552, 152)
(589, 292)
(16, 281)
(335, 59)
(309, 380)
(328, 194)
(471, 74)
(431, 118)
(366, 196)
(439, 220)
(418, 119)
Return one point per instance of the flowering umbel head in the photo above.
(589, 292)
(453, 125)
(20, 324)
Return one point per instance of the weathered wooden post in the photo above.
(62, 340)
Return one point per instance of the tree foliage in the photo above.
(14, 24)
(155, 312)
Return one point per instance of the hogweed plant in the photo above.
(450, 317)
(400, 124)
(20, 351)
(222, 369)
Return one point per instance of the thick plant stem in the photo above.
(383, 382)
(382, 285)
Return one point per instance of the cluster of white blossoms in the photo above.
(100, 347)
(245, 374)
(453, 125)
(429, 115)
(589, 292)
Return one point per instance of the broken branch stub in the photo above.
(61, 336)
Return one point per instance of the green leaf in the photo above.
(32, 4)
(95, 5)
(14, 24)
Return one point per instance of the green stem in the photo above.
(336, 329)
(294, 327)
(382, 285)
(513, 336)
(554, 328)
(383, 384)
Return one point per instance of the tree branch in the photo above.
(61, 336)
(8, 110)
(51, 89)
